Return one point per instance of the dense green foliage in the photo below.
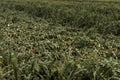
(59, 40)
(100, 15)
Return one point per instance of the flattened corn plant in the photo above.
(35, 48)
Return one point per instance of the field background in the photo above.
(59, 39)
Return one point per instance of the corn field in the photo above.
(59, 40)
